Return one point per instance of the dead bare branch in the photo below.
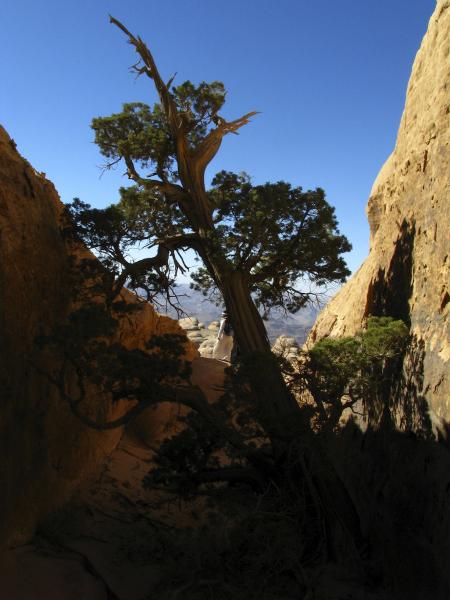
(150, 69)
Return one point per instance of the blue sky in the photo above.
(329, 78)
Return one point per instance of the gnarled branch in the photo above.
(192, 162)
(150, 69)
(166, 248)
(208, 148)
(188, 395)
(173, 192)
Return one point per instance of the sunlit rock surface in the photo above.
(407, 273)
(202, 336)
(287, 347)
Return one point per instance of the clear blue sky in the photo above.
(329, 78)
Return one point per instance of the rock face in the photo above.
(407, 273)
(202, 336)
(45, 451)
(286, 346)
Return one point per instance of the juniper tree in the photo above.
(341, 373)
(255, 242)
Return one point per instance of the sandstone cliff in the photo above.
(407, 273)
(45, 452)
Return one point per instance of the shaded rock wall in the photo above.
(45, 452)
(407, 273)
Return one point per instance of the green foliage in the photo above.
(332, 365)
(279, 235)
(119, 230)
(275, 234)
(384, 338)
(103, 228)
(340, 372)
(143, 133)
(149, 216)
(135, 222)
(137, 132)
(199, 106)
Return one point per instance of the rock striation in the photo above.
(45, 452)
(407, 273)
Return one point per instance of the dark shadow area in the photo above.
(238, 500)
(403, 403)
(400, 484)
(241, 543)
(389, 293)
(409, 405)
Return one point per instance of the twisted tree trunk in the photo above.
(267, 381)
(278, 409)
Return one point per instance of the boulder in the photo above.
(286, 346)
(189, 323)
(202, 336)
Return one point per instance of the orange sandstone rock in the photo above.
(45, 451)
(407, 273)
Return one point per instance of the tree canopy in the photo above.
(255, 242)
(274, 233)
(342, 373)
(278, 235)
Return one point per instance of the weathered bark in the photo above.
(278, 410)
(250, 331)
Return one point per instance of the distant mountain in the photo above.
(194, 304)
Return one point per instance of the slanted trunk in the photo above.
(250, 331)
(278, 408)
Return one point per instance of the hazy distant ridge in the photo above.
(194, 304)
